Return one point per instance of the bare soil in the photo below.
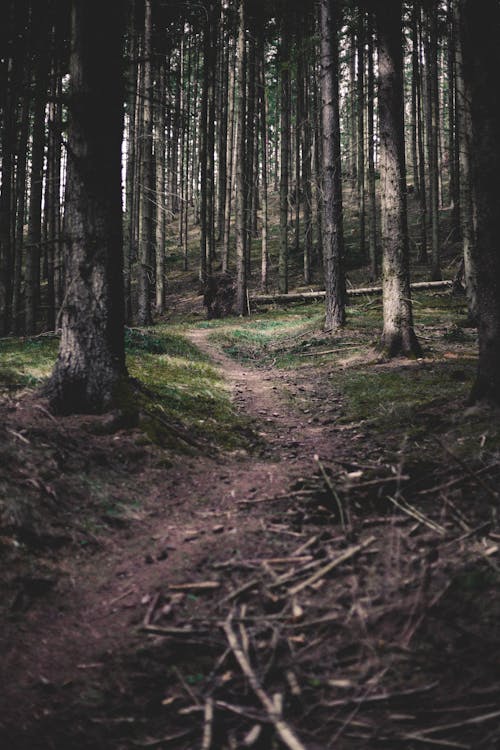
(126, 637)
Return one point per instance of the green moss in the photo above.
(188, 392)
(396, 397)
(26, 362)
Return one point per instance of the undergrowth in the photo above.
(183, 388)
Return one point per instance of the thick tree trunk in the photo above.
(91, 364)
(398, 337)
(481, 63)
(333, 239)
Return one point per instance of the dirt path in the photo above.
(188, 514)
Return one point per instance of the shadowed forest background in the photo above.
(249, 374)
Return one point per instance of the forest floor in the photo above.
(311, 562)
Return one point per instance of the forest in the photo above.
(249, 374)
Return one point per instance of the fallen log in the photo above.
(269, 299)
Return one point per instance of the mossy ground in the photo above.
(184, 387)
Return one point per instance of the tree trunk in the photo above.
(481, 63)
(307, 176)
(146, 233)
(398, 336)
(333, 239)
(284, 153)
(453, 172)
(422, 192)
(231, 129)
(91, 362)
(431, 50)
(466, 204)
(360, 38)
(160, 195)
(241, 193)
(264, 147)
(372, 198)
(34, 239)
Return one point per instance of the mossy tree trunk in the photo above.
(91, 362)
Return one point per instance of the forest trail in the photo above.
(91, 619)
(345, 601)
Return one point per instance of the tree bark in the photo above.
(284, 153)
(398, 336)
(466, 203)
(360, 80)
(241, 193)
(481, 63)
(372, 197)
(91, 363)
(146, 231)
(333, 239)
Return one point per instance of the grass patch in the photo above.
(26, 362)
(188, 390)
(397, 398)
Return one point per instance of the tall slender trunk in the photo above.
(333, 248)
(159, 144)
(422, 188)
(453, 172)
(415, 68)
(433, 134)
(241, 193)
(146, 233)
(372, 198)
(230, 161)
(21, 169)
(466, 202)
(306, 146)
(360, 80)
(264, 147)
(398, 336)
(284, 153)
(34, 239)
(131, 164)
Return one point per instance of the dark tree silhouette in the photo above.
(91, 361)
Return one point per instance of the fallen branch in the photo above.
(284, 731)
(351, 552)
